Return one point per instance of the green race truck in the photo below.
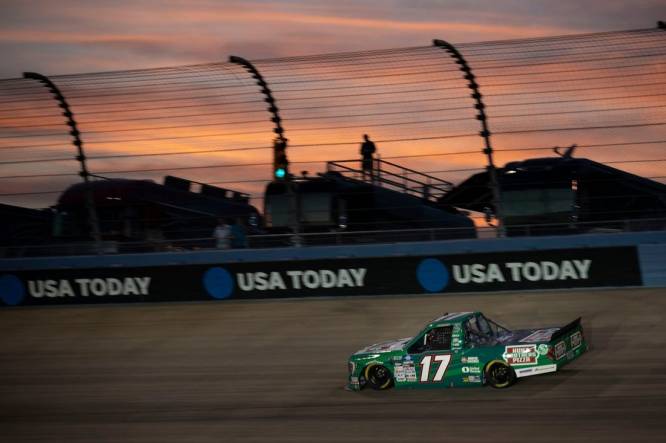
(465, 349)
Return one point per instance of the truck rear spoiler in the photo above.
(565, 329)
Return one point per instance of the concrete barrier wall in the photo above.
(652, 258)
(600, 260)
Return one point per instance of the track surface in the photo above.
(274, 371)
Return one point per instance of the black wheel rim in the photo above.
(501, 374)
(379, 376)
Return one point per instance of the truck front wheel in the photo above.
(378, 377)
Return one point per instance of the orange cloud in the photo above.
(413, 103)
(505, 31)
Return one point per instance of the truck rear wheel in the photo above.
(499, 374)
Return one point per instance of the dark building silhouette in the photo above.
(141, 210)
(570, 194)
(24, 226)
(335, 202)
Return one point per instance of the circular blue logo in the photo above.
(12, 290)
(218, 283)
(432, 275)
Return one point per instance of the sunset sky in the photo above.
(70, 37)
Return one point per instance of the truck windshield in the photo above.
(481, 331)
(491, 327)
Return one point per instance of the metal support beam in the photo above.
(485, 131)
(280, 141)
(93, 220)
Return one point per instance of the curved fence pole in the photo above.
(280, 143)
(485, 132)
(93, 220)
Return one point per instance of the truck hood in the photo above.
(386, 346)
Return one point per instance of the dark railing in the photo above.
(334, 238)
(393, 176)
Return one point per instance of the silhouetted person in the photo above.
(367, 149)
(222, 234)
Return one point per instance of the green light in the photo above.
(280, 172)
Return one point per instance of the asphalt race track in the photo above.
(266, 371)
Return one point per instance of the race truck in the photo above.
(465, 349)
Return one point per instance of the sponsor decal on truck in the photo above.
(518, 355)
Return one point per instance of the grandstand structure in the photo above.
(446, 112)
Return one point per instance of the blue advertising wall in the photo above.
(653, 264)
(595, 260)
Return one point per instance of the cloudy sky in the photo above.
(416, 105)
(69, 36)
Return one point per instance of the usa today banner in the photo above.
(521, 270)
